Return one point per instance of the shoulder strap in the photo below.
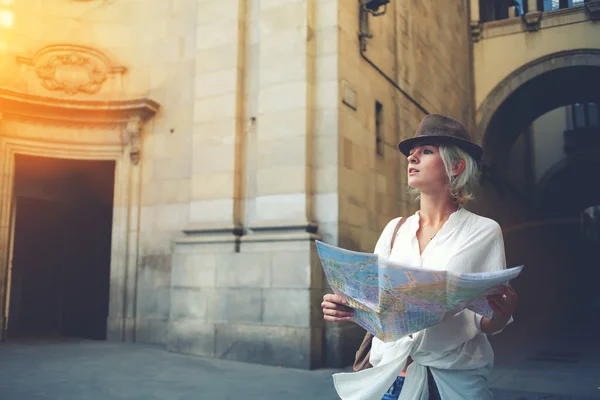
(396, 229)
(362, 358)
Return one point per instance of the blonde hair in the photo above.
(461, 186)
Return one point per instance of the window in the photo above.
(584, 116)
(379, 128)
(551, 5)
(594, 115)
(578, 111)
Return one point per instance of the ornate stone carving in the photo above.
(133, 137)
(476, 30)
(593, 9)
(71, 69)
(532, 21)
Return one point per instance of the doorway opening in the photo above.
(542, 144)
(60, 275)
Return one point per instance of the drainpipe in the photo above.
(362, 36)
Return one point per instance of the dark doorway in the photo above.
(62, 244)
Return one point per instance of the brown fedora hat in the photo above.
(439, 129)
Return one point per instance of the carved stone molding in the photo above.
(532, 21)
(74, 112)
(133, 136)
(593, 9)
(71, 68)
(476, 31)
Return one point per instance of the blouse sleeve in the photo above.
(383, 246)
(482, 252)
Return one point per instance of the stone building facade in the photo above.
(234, 133)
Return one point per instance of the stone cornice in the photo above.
(267, 231)
(534, 22)
(208, 233)
(24, 105)
(281, 231)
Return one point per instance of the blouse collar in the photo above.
(454, 221)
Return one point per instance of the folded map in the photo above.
(391, 300)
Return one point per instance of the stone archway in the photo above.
(558, 77)
(544, 245)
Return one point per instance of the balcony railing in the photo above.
(494, 10)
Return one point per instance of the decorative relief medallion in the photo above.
(71, 69)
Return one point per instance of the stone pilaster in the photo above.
(198, 259)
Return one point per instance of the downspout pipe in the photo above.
(391, 81)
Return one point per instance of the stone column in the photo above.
(220, 29)
(279, 248)
(257, 298)
(284, 108)
(208, 243)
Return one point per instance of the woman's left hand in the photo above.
(503, 304)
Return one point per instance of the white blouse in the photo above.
(456, 350)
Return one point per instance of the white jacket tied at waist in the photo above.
(455, 369)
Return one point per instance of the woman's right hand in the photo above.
(335, 309)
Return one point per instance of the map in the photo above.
(391, 300)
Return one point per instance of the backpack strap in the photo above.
(361, 360)
(396, 229)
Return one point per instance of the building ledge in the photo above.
(29, 106)
(264, 231)
(549, 19)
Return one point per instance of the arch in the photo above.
(585, 162)
(549, 73)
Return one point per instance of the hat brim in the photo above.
(471, 148)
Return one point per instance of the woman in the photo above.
(452, 359)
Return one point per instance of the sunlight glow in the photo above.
(6, 18)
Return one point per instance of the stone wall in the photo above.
(245, 281)
(406, 46)
(168, 162)
(152, 51)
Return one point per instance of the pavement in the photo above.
(72, 369)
